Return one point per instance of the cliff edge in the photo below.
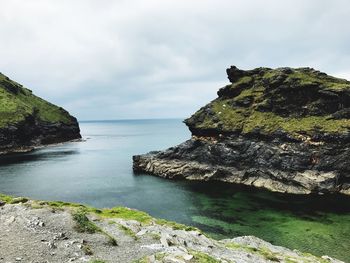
(283, 129)
(27, 121)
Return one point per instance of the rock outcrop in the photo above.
(39, 231)
(27, 121)
(286, 130)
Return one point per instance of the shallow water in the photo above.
(98, 172)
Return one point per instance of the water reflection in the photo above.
(35, 156)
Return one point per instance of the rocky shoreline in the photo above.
(286, 130)
(31, 133)
(39, 231)
(277, 166)
(28, 149)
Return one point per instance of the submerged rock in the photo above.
(27, 121)
(286, 130)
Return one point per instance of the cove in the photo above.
(98, 172)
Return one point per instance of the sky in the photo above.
(136, 59)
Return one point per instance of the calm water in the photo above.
(98, 172)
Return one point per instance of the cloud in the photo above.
(151, 59)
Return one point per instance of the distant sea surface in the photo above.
(98, 172)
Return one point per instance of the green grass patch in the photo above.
(6, 198)
(127, 231)
(176, 226)
(200, 257)
(255, 100)
(263, 252)
(83, 224)
(17, 103)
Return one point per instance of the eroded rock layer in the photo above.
(283, 129)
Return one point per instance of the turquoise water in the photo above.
(98, 172)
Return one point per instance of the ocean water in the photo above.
(98, 172)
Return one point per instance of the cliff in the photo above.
(283, 129)
(41, 231)
(27, 121)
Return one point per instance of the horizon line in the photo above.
(131, 119)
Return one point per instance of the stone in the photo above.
(286, 130)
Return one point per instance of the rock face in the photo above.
(27, 121)
(38, 231)
(283, 129)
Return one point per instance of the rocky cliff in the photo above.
(27, 121)
(283, 129)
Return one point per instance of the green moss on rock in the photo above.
(18, 103)
(266, 101)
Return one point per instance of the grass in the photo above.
(124, 213)
(328, 82)
(267, 254)
(200, 257)
(18, 103)
(127, 231)
(263, 252)
(115, 212)
(176, 226)
(249, 109)
(6, 198)
(84, 225)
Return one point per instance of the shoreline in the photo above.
(65, 232)
(29, 149)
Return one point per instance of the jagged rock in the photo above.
(287, 130)
(27, 121)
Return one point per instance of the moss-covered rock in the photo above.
(27, 120)
(286, 130)
(277, 102)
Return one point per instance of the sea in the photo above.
(98, 172)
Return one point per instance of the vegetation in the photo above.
(176, 226)
(83, 224)
(18, 103)
(200, 257)
(97, 261)
(128, 231)
(295, 101)
(273, 256)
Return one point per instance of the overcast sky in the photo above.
(125, 59)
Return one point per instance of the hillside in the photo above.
(27, 120)
(292, 103)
